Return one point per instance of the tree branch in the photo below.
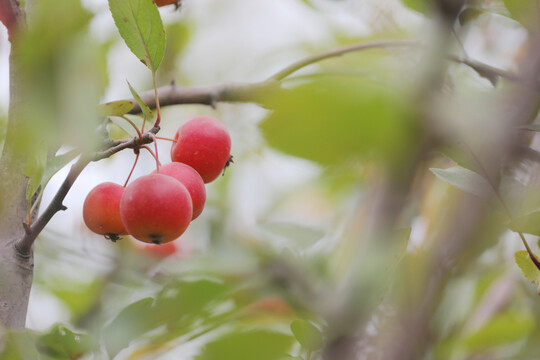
(24, 245)
(173, 94)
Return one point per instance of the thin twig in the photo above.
(24, 245)
(341, 51)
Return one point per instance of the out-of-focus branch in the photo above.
(173, 94)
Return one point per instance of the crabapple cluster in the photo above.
(158, 207)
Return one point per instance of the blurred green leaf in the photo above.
(296, 235)
(469, 14)
(334, 119)
(116, 108)
(56, 56)
(35, 167)
(418, 5)
(247, 345)
(527, 266)
(464, 179)
(307, 334)
(188, 298)
(79, 297)
(528, 223)
(502, 329)
(147, 113)
(140, 25)
(178, 36)
(133, 321)
(61, 343)
(19, 345)
(523, 11)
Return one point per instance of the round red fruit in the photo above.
(191, 180)
(161, 251)
(101, 210)
(204, 144)
(156, 208)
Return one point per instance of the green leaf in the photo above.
(528, 223)
(35, 168)
(116, 108)
(140, 25)
(293, 234)
(333, 120)
(307, 334)
(527, 266)
(464, 179)
(178, 36)
(61, 75)
(247, 345)
(79, 297)
(421, 6)
(19, 345)
(469, 14)
(55, 164)
(189, 298)
(501, 330)
(133, 321)
(523, 11)
(62, 343)
(147, 113)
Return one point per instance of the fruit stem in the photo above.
(133, 167)
(153, 155)
(158, 110)
(156, 156)
(139, 133)
(164, 138)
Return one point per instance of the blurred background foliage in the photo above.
(367, 192)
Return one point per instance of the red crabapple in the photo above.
(204, 144)
(160, 251)
(156, 208)
(101, 210)
(191, 180)
(166, 2)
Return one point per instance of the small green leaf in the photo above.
(35, 167)
(247, 345)
(147, 113)
(116, 108)
(140, 25)
(527, 266)
(55, 164)
(62, 343)
(307, 334)
(464, 179)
